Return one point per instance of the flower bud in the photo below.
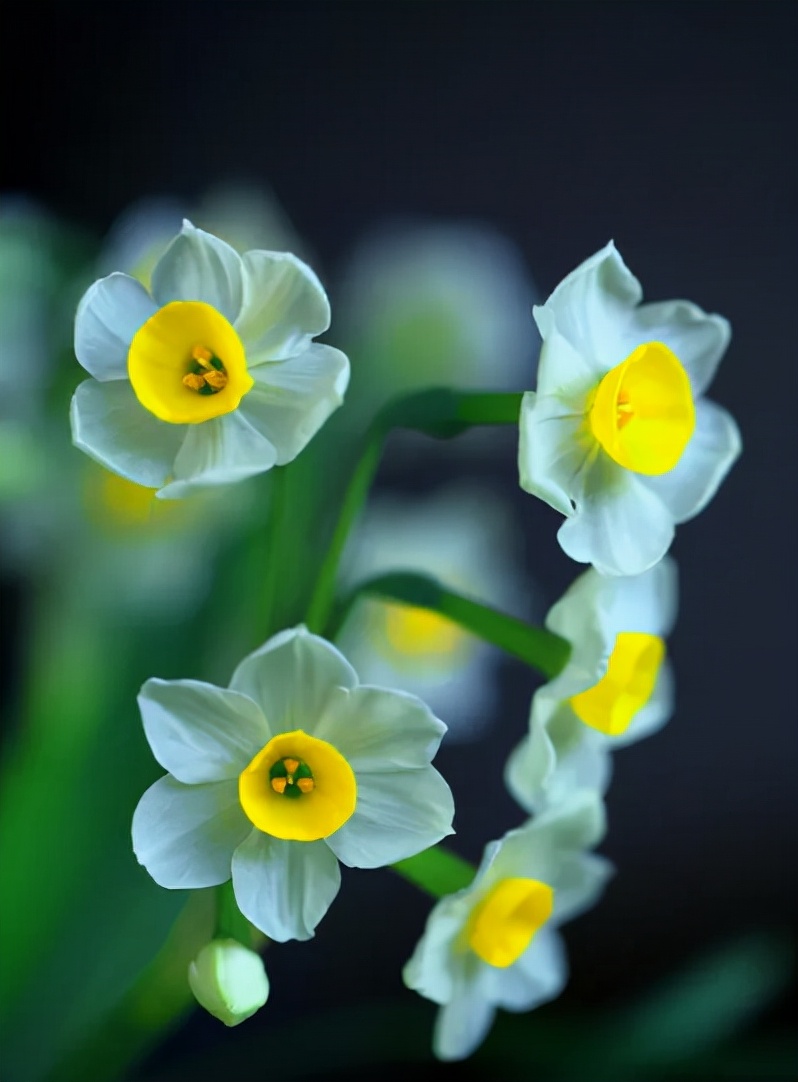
(229, 981)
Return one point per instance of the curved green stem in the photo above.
(437, 871)
(439, 413)
(536, 646)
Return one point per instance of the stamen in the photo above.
(305, 784)
(215, 379)
(279, 784)
(291, 765)
(194, 381)
(203, 355)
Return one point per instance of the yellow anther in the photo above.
(194, 381)
(305, 784)
(215, 379)
(201, 354)
(279, 784)
(291, 765)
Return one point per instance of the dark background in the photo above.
(666, 126)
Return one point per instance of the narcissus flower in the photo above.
(617, 436)
(213, 377)
(434, 303)
(462, 537)
(494, 944)
(229, 981)
(294, 767)
(615, 689)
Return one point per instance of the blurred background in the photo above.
(442, 166)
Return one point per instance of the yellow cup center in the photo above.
(187, 364)
(503, 923)
(611, 704)
(415, 633)
(298, 788)
(642, 412)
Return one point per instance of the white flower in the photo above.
(277, 778)
(460, 536)
(229, 981)
(617, 436)
(615, 689)
(494, 944)
(242, 216)
(432, 303)
(211, 379)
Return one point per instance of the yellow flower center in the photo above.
(503, 923)
(417, 632)
(187, 364)
(642, 412)
(611, 704)
(117, 504)
(298, 788)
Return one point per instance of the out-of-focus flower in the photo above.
(615, 689)
(242, 216)
(36, 257)
(617, 436)
(229, 981)
(494, 944)
(432, 304)
(290, 770)
(211, 379)
(460, 536)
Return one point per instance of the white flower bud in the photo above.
(229, 981)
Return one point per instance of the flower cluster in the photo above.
(297, 767)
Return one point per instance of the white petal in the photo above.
(580, 882)
(199, 267)
(620, 525)
(108, 316)
(698, 340)
(218, 452)
(538, 849)
(284, 888)
(463, 1024)
(559, 756)
(185, 835)
(435, 962)
(554, 448)
(284, 306)
(199, 732)
(292, 677)
(538, 976)
(292, 399)
(530, 766)
(380, 730)
(590, 309)
(708, 457)
(111, 425)
(656, 712)
(397, 815)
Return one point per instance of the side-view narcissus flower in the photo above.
(617, 435)
(495, 943)
(615, 688)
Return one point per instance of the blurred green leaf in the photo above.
(541, 649)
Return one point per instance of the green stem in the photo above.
(439, 413)
(536, 646)
(230, 921)
(275, 537)
(437, 871)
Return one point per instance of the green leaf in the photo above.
(437, 871)
(541, 649)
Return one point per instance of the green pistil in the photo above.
(279, 770)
